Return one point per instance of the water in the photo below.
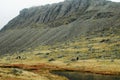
(85, 76)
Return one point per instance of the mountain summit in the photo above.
(60, 22)
(59, 14)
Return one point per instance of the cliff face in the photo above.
(58, 22)
(59, 14)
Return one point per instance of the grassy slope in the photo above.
(96, 53)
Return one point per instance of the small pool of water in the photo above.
(85, 76)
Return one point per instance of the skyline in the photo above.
(8, 10)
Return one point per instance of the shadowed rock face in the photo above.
(57, 22)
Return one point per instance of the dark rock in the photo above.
(47, 53)
(52, 59)
(104, 40)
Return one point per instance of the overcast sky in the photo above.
(10, 8)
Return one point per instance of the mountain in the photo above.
(59, 23)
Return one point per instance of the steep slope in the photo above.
(57, 23)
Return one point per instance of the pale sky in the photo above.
(10, 8)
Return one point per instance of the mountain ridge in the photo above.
(48, 13)
(59, 22)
